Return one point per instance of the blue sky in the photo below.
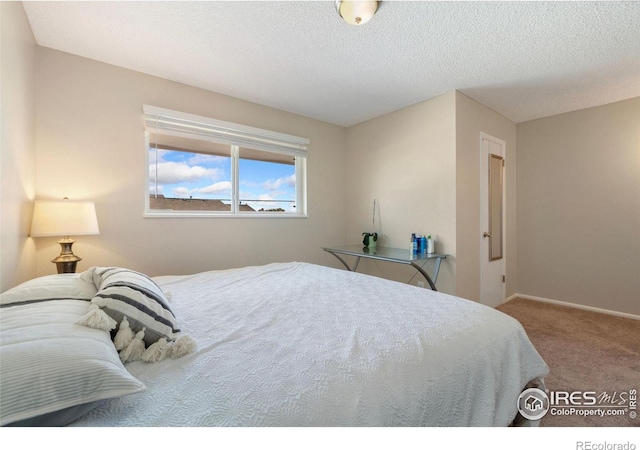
(182, 174)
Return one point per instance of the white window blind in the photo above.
(174, 123)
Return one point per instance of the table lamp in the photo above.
(64, 218)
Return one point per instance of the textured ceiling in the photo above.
(524, 60)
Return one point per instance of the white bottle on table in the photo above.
(430, 245)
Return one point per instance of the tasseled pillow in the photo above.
(124, 292)
(98, 319)
(182, 346)
(124, 335)
(132, 347)
(157, 351)
(135, 349)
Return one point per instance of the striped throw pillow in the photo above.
(126, 293)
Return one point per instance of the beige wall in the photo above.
(578, 182)
(91, 147)
(406, 161)
(579, 207)
(422, 164)
(472, 118)
(18, 145)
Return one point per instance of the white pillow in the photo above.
(50, 363)
(50, 287)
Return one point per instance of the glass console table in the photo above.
(394, 255)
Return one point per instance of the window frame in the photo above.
(236, 136)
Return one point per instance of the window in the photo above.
(204, 167)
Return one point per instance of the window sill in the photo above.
(221, 215)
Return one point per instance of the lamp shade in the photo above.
(64, 218)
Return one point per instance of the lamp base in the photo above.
(66, 262)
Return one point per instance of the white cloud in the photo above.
(152, 156)
(199, 158)
(250, 184)
(175, 172)
(221, 187)
(265, 197)
(272, 185)
(267, 202)
(181, 192)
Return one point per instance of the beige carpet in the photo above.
(585, 351)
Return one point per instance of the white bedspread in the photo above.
(296, 344)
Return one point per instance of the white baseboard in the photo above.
(574, 305)
(513, 297)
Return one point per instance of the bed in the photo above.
(285, 344)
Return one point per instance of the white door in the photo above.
(492, 204)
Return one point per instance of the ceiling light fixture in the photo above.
(356, 12)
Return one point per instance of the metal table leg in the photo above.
(345, 263)
(425, 275)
